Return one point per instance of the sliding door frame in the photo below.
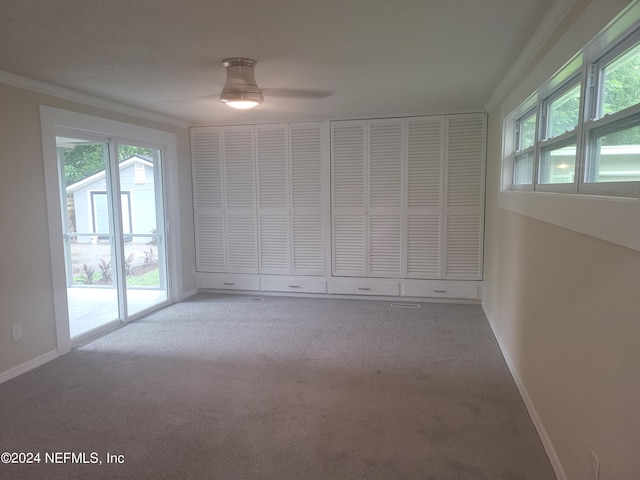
(53, 119)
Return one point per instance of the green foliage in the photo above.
(622, 85)
(128, 261)
(564, 112)
(622, 90)
(150, 257)
(82, 161)
(88, 275)
(149, 279)
(105, 269)
(127, 151)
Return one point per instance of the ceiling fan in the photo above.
(242, 91)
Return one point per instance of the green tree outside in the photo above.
(82, 161)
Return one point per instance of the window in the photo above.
(561, 115)
(563, 112)
(582, 171)
(620, 82)
(583, 133)
(525, 141)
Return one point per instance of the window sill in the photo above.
(613, 219)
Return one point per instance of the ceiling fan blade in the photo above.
(300, 93)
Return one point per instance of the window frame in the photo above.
(525, 151)
(589, 74)
(551, 143)
(606, 217)
(595, 121)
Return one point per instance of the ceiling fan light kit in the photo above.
(241, 89)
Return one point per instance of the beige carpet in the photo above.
(228, 387)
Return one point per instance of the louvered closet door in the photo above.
(464, 196)
(348, 156)
(207, 199)
(424, 186)
(273, 198)
(239, 183)
(308, 202)
(385, 192)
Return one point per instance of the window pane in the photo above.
(616, 157)
(558, 164)
(523, 169)
(527, 129)
(621, 82)
(141, 214)
(563, 113)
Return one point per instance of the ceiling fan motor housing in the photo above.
(241, 83)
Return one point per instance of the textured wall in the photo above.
(26, 295)
(566, 306)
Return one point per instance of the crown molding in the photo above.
(550, 22)
(37, 86)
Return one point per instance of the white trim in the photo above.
(29, 365)
(384, 298)
(101, 174)
(551, 21)
(52, 118)
(37, 86)
(613, 219)
(182, 297)
(556, 464)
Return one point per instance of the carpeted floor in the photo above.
(228, 387)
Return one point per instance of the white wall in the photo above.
(566, 306)
(25, 265)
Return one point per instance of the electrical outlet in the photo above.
(594, 467)
(16, 330)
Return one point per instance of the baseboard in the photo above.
(262, 293)
(186, 295)
(26, 366)
(533, 413)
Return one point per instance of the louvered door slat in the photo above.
(385, 163)
(207, 184)
(208, 199)
(306, 166)
(308, 207)
(349, 245)
(464, 197)
(242, 244)
(239, 164)
(273, 198)
(463, 246)
(210, 243)
(274, 244)
(271, 150)
(349, 151)
(465, 155)
(423, 246)
(425, 161)
(308, 245)
(385, 246)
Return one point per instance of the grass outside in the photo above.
(150, 278)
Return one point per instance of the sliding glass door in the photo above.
(113, 230)
(142, 227)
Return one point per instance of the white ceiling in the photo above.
(365, 58)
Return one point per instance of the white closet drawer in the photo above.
(277, 283)
(228, 281)
(441, 289)
(365, 286)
